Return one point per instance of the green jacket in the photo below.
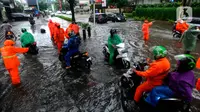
(26, 38)
(190, 38)
(113, 41)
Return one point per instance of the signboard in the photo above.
(103, 3)
(184, 12)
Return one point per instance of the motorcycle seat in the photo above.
(76, 55)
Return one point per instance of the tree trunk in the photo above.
(71, 3)
(120, 10)
(184, 2)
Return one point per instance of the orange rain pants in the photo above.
(154, 76)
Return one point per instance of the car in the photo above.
(68, 12)
(99, 18)
(110, 16)
(19, 16)
(119, 17)
(58, 12)
(63, 12)
(53, 14)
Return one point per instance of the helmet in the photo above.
(113, 31)
(159, 52)
(23, 30)
(185, 62)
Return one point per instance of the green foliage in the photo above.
(118, 3)
(133, 13)
(19, 7)
(170, 21)
(64, 17)
(174, 4)
(128, 15)
(43, 6)
(157, 13)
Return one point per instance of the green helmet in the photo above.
(159, 52)
(185, 62)
(23, 30)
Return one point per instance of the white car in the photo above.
(58, 12)
(68, 12)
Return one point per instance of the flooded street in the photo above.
(46, 87)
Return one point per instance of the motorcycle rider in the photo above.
(181, 26)
(155, 74)
(179, 83)
(72, 46)
(11, 62)
(72, 27)
(26, 38)
(113, 40)
(10, 35)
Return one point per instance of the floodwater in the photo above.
(46, 87)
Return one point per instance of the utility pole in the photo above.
(38, 5)
(94, 11)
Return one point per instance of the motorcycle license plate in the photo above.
(89, 59)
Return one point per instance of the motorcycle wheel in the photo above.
(126, 64)
(127, 105)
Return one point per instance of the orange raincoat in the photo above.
(145, 30)
(75, 28)
(11, 62)
(60, 39)
(198, 84)
(51, 27)
(56, 32)
(182, 27)
(154, 76)
(68, 30)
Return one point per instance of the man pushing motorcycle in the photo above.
(155, 74)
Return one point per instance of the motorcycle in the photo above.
(176, 34)
(33, 49)
(128, 84)
(121, 57)
(10, 36)
(77, 60)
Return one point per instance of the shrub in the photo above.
(64, 17)
(128, 15)
(133, 13)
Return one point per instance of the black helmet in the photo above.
(185, 62)
(23, 30)
(113, 31)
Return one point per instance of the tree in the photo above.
(119, 3)
(186, 2)
(43, 6)
(72, 4)
(19, 7)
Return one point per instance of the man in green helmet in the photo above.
(26, 38)
(113, 40)
(155, 74)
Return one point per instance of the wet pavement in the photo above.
(46, 87)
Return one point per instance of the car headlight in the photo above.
(118, 18)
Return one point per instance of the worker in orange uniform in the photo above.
(75, 28)
(60, 37)
(155, 74)
(181, 26)
(51, 28)
(11, 62)
(68, 30)
(56, 32)
(145, 30)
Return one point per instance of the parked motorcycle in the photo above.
(33, 49)
(176, 34)
(81, 60)
(120, 57)
(128, 84)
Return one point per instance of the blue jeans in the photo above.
(68, 55)
(157, 93)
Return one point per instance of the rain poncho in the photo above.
(113, 41)
(189, 38)
(26, 38)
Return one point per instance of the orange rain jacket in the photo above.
(182, 27)
(8, 53)
(60, 39)
(154, 76)
(145, 30)
(51, 28)
(56, 32)
(198, 84)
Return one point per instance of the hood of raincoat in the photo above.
(9, 43)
